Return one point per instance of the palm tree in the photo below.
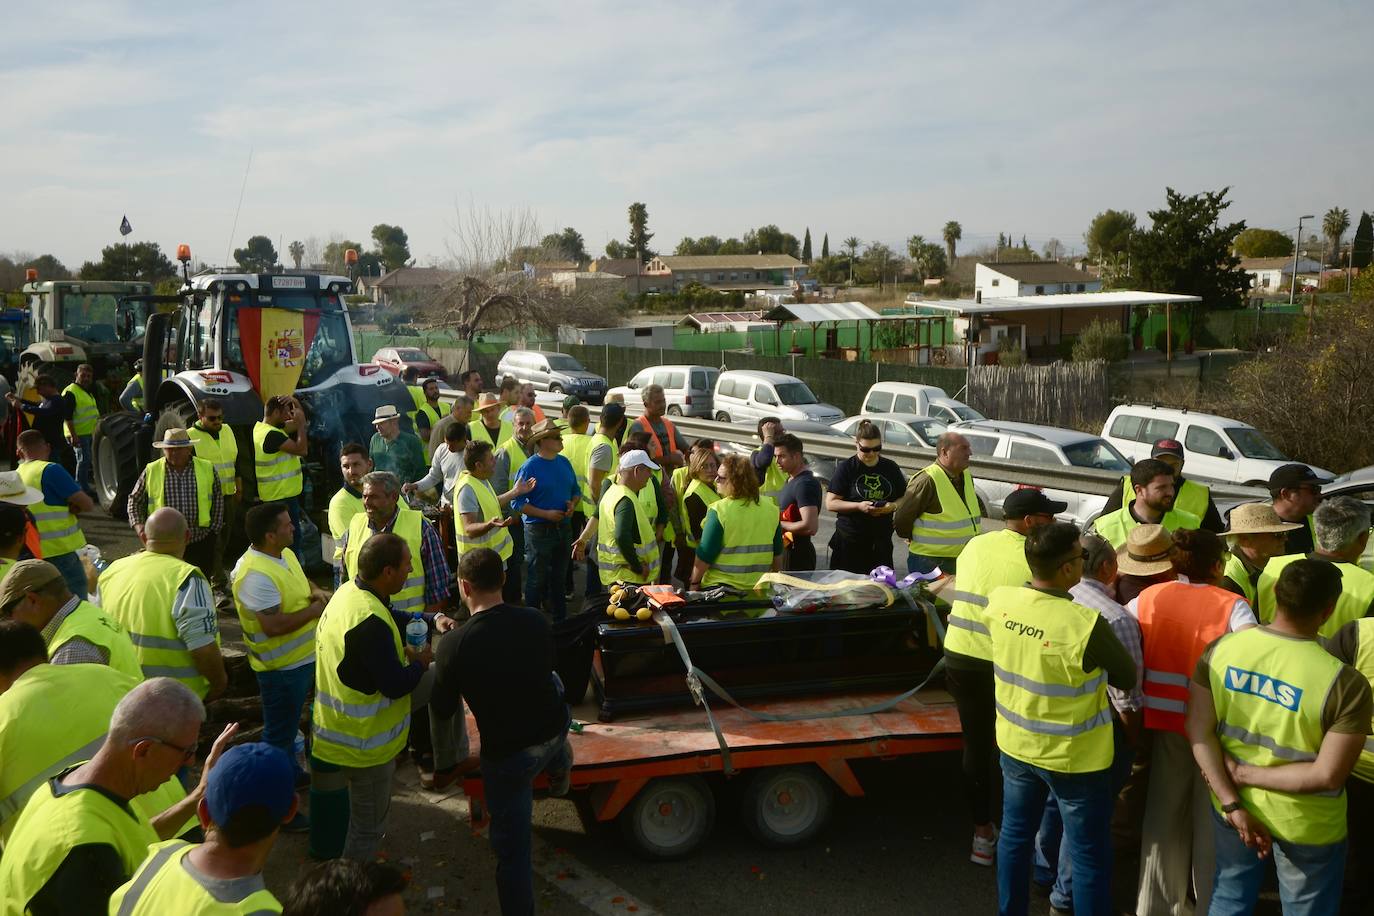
(953, 233)
(852, 243)
(1334, 224)
(297, 250)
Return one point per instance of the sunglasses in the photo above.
(870, 449)
(187, 753)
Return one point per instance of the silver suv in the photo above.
(557, 373)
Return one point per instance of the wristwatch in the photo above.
(1233, 806)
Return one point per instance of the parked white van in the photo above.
(747, 396)
(687, 389)
(1214, 448)
(923, 400)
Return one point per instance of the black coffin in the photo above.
(787, 655)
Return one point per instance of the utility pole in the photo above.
(1293, 284)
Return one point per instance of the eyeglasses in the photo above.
(1081, 555)
(187, 753)
(870, 449)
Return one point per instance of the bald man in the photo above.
(940, 512)
(166, 605)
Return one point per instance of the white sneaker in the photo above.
(983, 849)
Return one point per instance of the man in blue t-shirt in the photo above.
(59, 489)
(546, 510)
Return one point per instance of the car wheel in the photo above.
(722, 417)
(674, 411)
(555, 389)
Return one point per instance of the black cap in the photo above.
(1167, 447)
(1288, 476)
(1030, 501)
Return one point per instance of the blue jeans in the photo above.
(547, 549)
(85, 471)
(509, 786)
(916, 562)
(1053, 861)
(1085, 801)
(73, 572)
(283, 697)
(1309, 876)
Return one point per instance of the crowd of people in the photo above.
(1206, 684)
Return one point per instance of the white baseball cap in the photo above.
(635, 458)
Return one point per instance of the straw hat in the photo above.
(384, 413)
(1256, 518)
(175, 437)
(13, 490)
(486, 401)
(545, 429)
(1146, 551)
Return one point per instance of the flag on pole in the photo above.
(124, 227)
(275, 342)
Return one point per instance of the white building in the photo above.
(1273, 273)
(1031, 278)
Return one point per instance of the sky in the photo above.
(876, 120)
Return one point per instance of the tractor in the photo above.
(193, 350)
(71, 322)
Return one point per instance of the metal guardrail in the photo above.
(911, 460)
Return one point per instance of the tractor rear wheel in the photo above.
(116, 466)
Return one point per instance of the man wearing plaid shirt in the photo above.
(177, 468)
(1094, 591)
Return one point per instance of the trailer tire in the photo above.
(670, 817)
(787, 806)
(114, 448)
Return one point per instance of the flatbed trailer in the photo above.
(653, 773)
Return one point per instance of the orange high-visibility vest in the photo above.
(1178, 620)
(648, 427)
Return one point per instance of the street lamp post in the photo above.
(1293, 285)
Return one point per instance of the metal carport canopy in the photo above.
(821, 312)
(1113, 298)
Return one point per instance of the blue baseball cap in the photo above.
(250, 774)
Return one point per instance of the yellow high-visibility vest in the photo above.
(1115, 526)
(989, 561)
(1269, 691)
(272, 653)
(155, 484)
(222, 453)
(1191, 500)
(708, 496)
(343, 505)
(747, 554)
(58, 531)
(497, 539)
(611, 564)
(408, 527)
(1357, 593)
(139, 591)
(87, 414)
(354, 729)
(944, 534)
(163, 884)
(88, 622)
(1050, 712)
(279, 474)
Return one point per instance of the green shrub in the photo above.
(1160, 340)
(1100, 340)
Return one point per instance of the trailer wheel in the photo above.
(115, 450)
(787, 806)
(670, 817)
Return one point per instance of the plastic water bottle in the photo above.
(92, 553)
(417, 631)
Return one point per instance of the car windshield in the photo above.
(927, 430)
(1096, 453)
(964, 412)
(559, 362)
(330, 350)
(100, 317)
(1252, 444)
(794, 393)
(413, 356)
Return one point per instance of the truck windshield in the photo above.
(330, 350)
(794, 393)
(101, 317)
(1095, 453)
(1251, 443)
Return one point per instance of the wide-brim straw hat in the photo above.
(486, 400)
(14, 490)
(384, 413)
(1146, 551)
(1256, 518)
(175, 437)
